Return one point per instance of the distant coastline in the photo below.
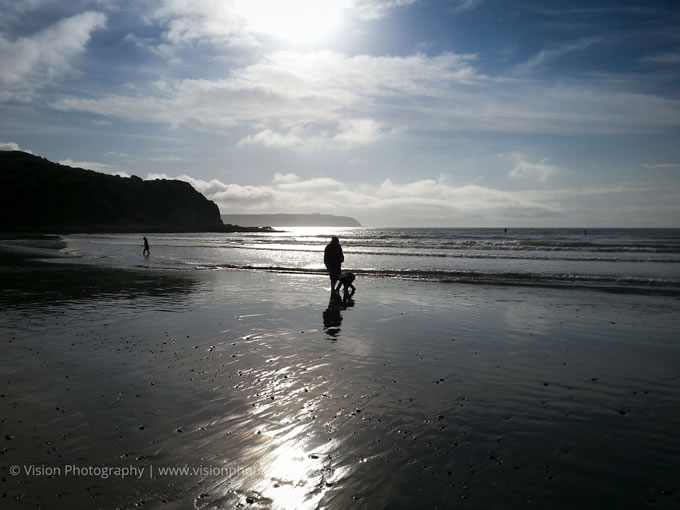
(291, 220)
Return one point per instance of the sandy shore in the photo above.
(259, 391)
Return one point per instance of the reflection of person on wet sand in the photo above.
(146, 250)
(347, 300)
(332, 318)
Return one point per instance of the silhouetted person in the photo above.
(345, 280)
(333, 259)
(505, 231)
(146, 250)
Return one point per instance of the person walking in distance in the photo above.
(146, 252)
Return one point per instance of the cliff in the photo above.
(37, 195)
(292, 220)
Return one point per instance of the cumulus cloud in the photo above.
(289, 99)
(411, 203)
(191, 21)
(12, 146)
(661, 165)
(359, 131)
(384, 202)
(29, 62)
(91, 165)
(523, 168)
(269, 138)
(13, 13)
(289, 178)
(345, 132)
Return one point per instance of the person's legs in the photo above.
(333, 274)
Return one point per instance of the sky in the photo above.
(397, 112)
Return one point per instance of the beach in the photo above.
(223, 388)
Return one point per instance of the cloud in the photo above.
(546, 56)
(90, 165)
(523, 168)
(29, 62)
(466, 5)
(289, 178)
(436, 201)
(557, 195)
(321, 99)
(377, 9)
(663, 58)
(288, 98)
(297, 100)
(215, 188)
(228, 22)
(386, 202)
(342, 133)
(14, 13)
(359, 131)
(192, 21)
(661, 165)
(292, 99)
(269, 138)
(12, 146)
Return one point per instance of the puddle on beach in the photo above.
(253, 390)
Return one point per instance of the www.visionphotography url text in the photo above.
(138, 472)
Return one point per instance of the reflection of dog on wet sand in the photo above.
(345, 280)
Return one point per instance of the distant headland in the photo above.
(291, 220)
(37, 195)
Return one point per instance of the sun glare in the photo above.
(296, 21)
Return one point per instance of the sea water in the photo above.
(625, 260)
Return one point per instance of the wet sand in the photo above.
(269, 395)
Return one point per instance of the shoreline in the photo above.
(22, 249)
(13, 249)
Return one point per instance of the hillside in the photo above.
(291, 220)
(38, 195)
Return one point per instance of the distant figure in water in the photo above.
(505, 231)
(585, 231)
(333, 259)
(345, 280)
(146, 252)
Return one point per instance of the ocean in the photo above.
(618, 260)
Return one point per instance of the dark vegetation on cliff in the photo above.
(38, 195)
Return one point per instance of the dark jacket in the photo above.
(333, 257)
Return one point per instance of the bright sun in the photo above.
(296, 21)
